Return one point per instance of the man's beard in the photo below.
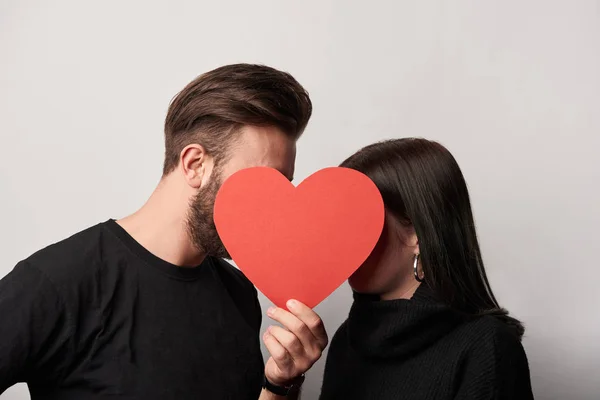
(200, 222)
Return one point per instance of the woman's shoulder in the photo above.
(494, 360)
(490, 335)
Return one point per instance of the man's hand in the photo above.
(295, 348)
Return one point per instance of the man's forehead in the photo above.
(263, 147)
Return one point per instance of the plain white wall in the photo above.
(511, 87)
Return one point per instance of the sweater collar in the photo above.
(398, 328)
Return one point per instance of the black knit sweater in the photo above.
(421, 349)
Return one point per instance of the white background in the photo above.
(512, 88)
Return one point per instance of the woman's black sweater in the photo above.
(422, 349)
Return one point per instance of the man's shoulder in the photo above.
(70, 259)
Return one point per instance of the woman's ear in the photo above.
(406, 233)
(411, 239)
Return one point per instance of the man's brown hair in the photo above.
(211, 109)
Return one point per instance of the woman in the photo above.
(424, 323)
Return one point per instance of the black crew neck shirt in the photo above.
(98, 316)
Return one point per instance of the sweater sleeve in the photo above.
(501, 373)
(33, 328)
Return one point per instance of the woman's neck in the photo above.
(404, 291)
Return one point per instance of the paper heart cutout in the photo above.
(298, 242)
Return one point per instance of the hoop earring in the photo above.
(416, 269)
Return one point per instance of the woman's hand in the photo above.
(295, 348)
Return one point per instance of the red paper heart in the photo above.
(298, 242)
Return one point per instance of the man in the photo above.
(144, 307)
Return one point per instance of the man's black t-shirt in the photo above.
(98, 316)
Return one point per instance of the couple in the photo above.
(145, 307)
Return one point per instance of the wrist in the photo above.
(282, 388)
(279, 381)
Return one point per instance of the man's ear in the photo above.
(195, 164)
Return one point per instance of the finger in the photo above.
(289, 341)
(311, 319)
(279, 354)
(295, 326)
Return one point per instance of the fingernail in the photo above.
(269, 329)
(292, 303)
(271, 311)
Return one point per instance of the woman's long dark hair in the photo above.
(422, 184)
